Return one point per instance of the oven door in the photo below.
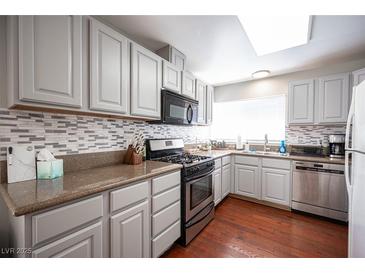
(178, 110)
(199, 193)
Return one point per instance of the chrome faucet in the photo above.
(266, 142)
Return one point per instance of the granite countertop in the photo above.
(33, 195)
(221, 153)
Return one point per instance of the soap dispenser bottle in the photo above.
(282, 147)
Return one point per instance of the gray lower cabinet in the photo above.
(85, 243)
(217, 185)
(139, 220)
(226, 180)
(50, 60)
(109, 69)
(130, 232)
(275, 185)
(246, 180)
(146, 80)
(166, 212)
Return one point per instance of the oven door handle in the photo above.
(202, 218)
(201, 176)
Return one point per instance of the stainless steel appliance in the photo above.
(196, 184)
(337, 145)
(177, 109)
(320, 189)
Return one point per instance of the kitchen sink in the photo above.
(270, 153)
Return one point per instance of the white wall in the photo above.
(2, 60)
(278, 84)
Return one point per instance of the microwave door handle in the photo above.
(349, 121)
(189, 117)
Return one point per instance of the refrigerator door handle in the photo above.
(349, 120)
(347, 173)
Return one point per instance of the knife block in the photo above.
(132, 157)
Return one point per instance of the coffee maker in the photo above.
(337, 145)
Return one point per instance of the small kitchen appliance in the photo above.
(196, 184)
(337, 145)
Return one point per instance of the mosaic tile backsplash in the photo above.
(72, 134)
(311, 135)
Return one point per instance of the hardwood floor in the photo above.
(245, 229)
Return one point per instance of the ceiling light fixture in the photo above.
(260, 74)
(269, 34)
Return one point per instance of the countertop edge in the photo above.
(108, 185)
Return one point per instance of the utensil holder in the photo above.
(132, 157)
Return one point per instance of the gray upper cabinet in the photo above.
(109, 69)
(174, 56)
(201, 97)
(188, 84)
(130, 232)
(50, 65)
(333, 98)
(178, 58)
(171, 78)
(146, 72)
(301, 102)
(210, 98)
(358, 76)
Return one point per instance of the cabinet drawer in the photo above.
(165, 218)
(58, 221)
(246, 160)
(226, 160)
(166, 198)
(165, 240)
(85, 243)
(217, 163)
(276, 163)
(165, 182)
(128, 195)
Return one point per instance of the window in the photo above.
(252, 119)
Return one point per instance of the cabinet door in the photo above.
(333, 98)
(188, 84)
(171, 78)
(109, 65)
(177, 58)
(210, 94)
(226, 180)
(247, 181)
(130, 232)
(217, 184)
(146, 82)
(301, 102)
(201, 96)
(358, 76)
(275, 185)
(50, 60)
(85, 243)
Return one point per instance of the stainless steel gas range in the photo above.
(196, 183)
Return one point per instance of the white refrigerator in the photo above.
(355, 171)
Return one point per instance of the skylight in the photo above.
(269, 34)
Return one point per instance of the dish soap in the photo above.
(282, 148)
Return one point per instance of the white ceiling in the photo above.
(218, 50)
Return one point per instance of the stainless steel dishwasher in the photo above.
(320, 189)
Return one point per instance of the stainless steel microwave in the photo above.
(177, 109)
